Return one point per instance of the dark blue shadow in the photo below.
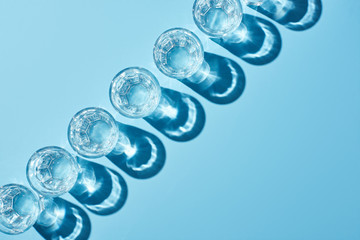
(296, 15)
(257, 41)
(179, 116)
(63, 220)
(223, 84)
(138, 153)
(101, 190)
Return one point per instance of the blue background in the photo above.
(280, 163)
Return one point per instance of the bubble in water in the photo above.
(93, 132)
(19, 209)
(178, 53)
(52, 171)
(217, 18)
(135, 92)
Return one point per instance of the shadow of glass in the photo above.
(138, 153)
(223, 83)
(63, 220)
(257, 41)
(101, 190)
(178, 116)
(296, 15)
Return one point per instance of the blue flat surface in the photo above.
(280, 163)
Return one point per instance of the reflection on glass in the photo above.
(93, 133)
(178, 53)
(52, 171)
(208, 78)
(130, 144)
(217, 18)
(253, 2)
(135, 92)
(19, 209)
(53, 218)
